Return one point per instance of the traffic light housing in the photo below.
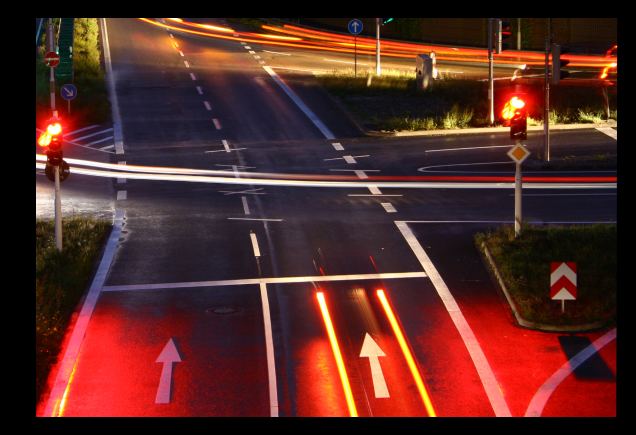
(503, 33)
(51, 140)
(515, 113)
(557, 65)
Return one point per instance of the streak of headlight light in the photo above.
(178, 20)
(336, 184)
(266, 35)
(342, 371)
(407, 353)
(62, 404)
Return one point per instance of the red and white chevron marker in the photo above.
(563, 281)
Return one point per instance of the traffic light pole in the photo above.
(546, 106)
(58, 193)
(491, 90)
(378, 68)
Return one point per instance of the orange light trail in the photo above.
(342, 371)
(407, 353)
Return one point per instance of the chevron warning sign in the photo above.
(562, 280)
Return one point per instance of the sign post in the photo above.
(68, 92)
(563, 282)
(355, 27)
(518, 153)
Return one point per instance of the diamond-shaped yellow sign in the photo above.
(518, 153)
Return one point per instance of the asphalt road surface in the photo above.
(223, 280)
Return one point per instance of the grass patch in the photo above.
(391, 102)
(524, 265)
(91, 106)
(61, 279)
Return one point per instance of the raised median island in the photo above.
(521, 266)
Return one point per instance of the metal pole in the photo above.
(518, 33)
(518, 197)
(355, 55)
(378, 68)
(546, 106)
(491, 90)
(52, 76)
(58, 210)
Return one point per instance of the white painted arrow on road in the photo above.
(168, 355)
(371, 350)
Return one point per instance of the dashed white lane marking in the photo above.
(251, 51)
(256, 56)
(200, 90)
(79, 330)
(255, 219)
(245, 191)
(372, 194)
(388, 207)
(543, 394)
(121, 180)
(207, 105)
(247, 47)
(181, 53)
(374, 190)
(193, 77)
(226, 145)
(217, 124)
(121, 195)
(486, 375)
(187, 65)
(171, 35)
(337, 146)
(361, 173)
(273, 280)
(257, 252)
(608, 131)
(243, 43)
(246, 208)
(262, 62)
(302, 106)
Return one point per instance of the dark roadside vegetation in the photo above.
(524, 266)
(392, 102)
(61, 278)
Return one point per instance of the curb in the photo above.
(458, 131)
(532, 325)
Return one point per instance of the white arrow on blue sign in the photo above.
(68, 91)
(355, 26)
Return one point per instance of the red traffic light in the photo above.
(513, 108)
(52, 132)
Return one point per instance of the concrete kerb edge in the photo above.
(482, 130)
(532, 325)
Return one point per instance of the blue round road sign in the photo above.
(355, 26)
(68, 91)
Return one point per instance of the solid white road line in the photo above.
(79, 130)
(608, 131)
(468, 148)
(246, 208)
(371, 194)
(99, 141)
(277, 52)
(257, 252)
(254, 281)
(388, 207)
(269, 346)
(121, 180)
(306, 110)
(491, 386)
(255, 219)
(535, 408)
(77, 336)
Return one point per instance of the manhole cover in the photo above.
(221, 310)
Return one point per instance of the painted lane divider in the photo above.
(257, 252)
